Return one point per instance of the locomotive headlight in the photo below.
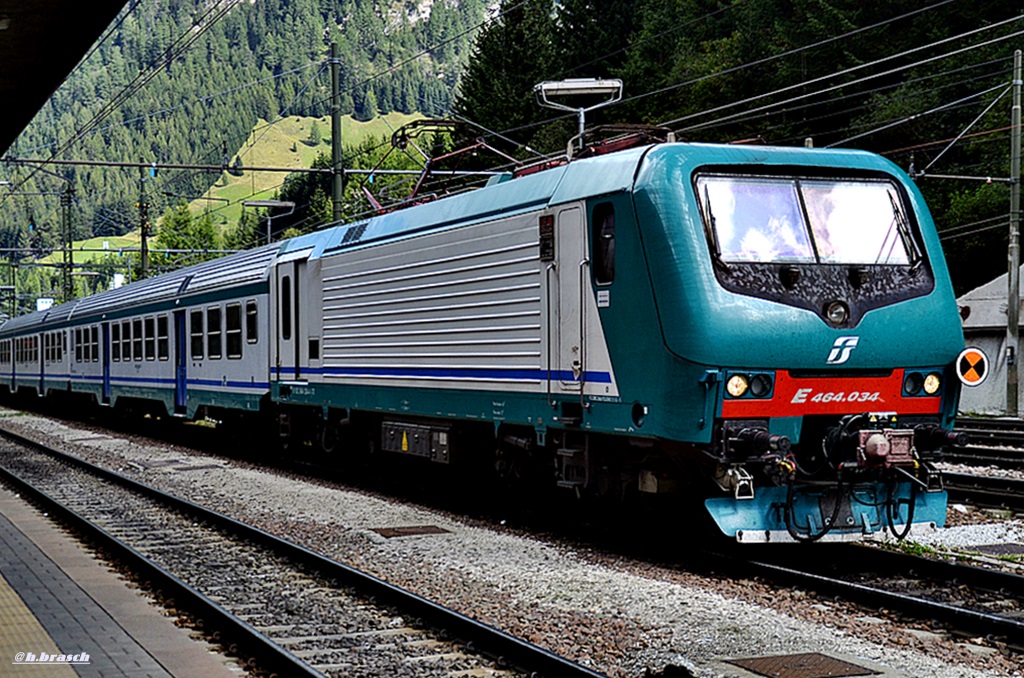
(932, 383)
(913, 383)
(737, 385)
(837, 313)
(760, 385)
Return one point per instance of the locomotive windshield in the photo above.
(803, 220)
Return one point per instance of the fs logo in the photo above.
(841, 350)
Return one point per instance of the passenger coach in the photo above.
(182, 343)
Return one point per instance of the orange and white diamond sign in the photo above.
(972, 366)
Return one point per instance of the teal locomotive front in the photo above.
(808, 333)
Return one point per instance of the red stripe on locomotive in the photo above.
(796, 396)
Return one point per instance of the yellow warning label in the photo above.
(405, 441)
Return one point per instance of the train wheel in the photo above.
(329, 438)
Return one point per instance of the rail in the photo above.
(485, 639)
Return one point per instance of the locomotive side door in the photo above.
(571, 271)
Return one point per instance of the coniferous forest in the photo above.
(925, 83)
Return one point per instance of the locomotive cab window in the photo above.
(838, 245)
(603, 239)
(791, 220)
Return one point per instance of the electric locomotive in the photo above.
(774, 327)
(770, 329)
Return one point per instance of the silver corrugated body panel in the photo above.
(460, 308)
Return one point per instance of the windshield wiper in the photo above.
(713, 231)
(903, 228)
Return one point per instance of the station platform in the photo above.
(63, 613)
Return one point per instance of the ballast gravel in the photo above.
(618, 616)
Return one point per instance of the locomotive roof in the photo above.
(579, 180)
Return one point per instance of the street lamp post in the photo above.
(270, 204)
(611, 89)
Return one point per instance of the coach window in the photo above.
(137, 340)
(251, 326)
(94, 342)
(233, 330)
(163, 344)
(150, 338)
(603, 237)
(286, 308)
(46, 348)
(115, 343)
(213, 337)
(126, 340)
(196, 322)
(78, 344)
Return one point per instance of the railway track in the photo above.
(288, 609)
(962, 599)
(983, 490)
(991, 442)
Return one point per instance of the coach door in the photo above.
(288, 304)
(181, 346)
(105, 357)
(570, 275)
(42, 363)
